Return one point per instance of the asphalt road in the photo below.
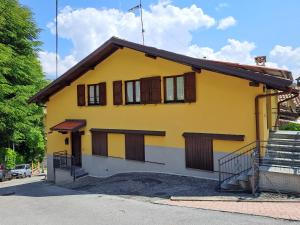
(32, 201)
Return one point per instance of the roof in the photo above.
(273, 78)
(69, 125)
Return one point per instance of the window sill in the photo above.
(94, 105)
(133, 103)
(174, 102)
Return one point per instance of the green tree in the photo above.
(8, 157)
(21, 124)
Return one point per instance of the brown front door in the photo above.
(199, 152)
(76, 148)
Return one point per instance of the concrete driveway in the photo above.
(32, 201)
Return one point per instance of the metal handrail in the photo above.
(254, 142)
(239, 161)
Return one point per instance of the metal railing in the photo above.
(62, 160)
(235, 163)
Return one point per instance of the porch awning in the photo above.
(69, 125)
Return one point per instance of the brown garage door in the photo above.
(199, 152)
(135, 147)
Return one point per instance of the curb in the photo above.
(207, 199)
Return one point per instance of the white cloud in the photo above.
(234, 51)
(287, 57)
(226, 23)
(221, 6)
(48, 63)
(166, 26)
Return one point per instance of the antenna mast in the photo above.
(56, 39)
(141, 16)
(142, 22)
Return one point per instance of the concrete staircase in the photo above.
(280, 168)
(240, 183)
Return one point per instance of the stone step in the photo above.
(238, 183)
(80, 173)
(283, 154)
(281, 162)
(286, 135)
(280, 169)
(277, 147)
(282, 141)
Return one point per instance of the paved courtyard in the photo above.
(32, 201)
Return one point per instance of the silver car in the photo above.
(22, 170)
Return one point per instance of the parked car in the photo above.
(22, 170)
(4, 173)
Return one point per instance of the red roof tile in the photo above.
(69, 125)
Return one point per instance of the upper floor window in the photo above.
(174, 89)
(181, 88)
(133, 92)
(97, 94)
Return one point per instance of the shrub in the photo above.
(290, 126)
(10, 158)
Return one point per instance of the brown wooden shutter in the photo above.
(145, 90)
(199, 152)
(117, 92)
(135, 147)
(99, 143)
(102, 93)
(81, 95)
(151, 90)
(155, 92)
(190, 87)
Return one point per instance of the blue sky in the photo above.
(250, 28)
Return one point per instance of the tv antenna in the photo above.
(139, 7)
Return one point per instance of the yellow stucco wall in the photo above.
(224, 105)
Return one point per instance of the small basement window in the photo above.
(133, 92)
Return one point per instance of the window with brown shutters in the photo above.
(99, 143)
(117, 92)
(180, 88)
(135, 147)
(151, 90)
(199, 152)
(97, 94)
(81, 95)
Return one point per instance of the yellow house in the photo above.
(132, 108)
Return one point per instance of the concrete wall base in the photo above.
(157, 160)
(283, 182)
(63, 177)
